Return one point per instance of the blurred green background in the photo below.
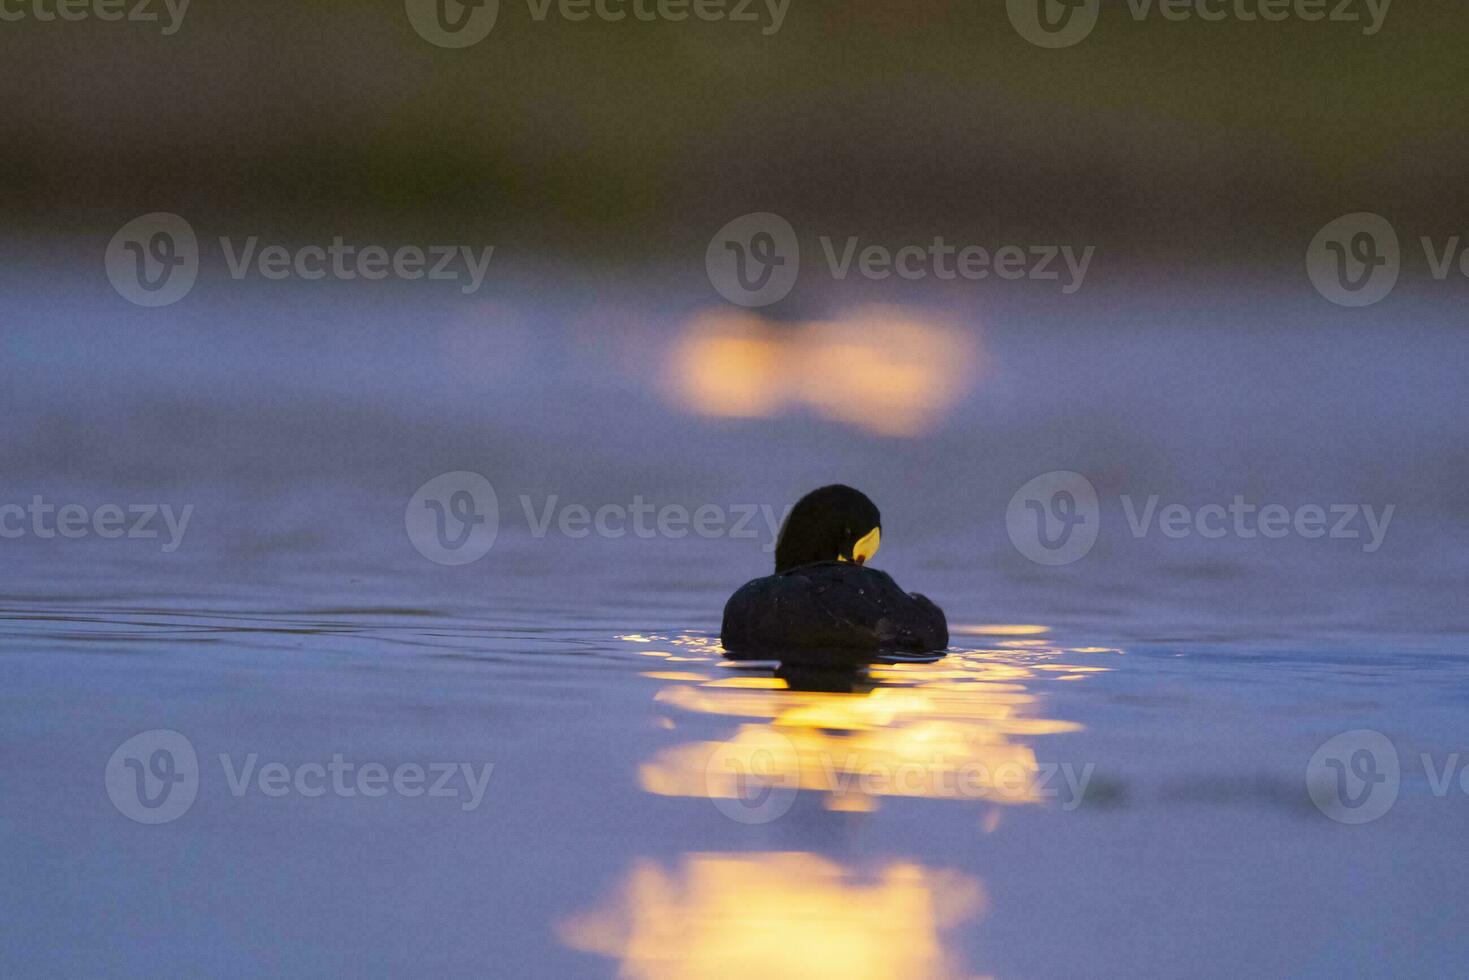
(1169, 144)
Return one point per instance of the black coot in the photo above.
(823, 597)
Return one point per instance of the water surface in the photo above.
(652, 810)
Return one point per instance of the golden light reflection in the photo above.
(881, 369)
(955, 728)
(998, 629)
(778, 915)
(732, 366)
(952, 729)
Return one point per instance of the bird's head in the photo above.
(834, 523)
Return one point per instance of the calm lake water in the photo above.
(538, 763)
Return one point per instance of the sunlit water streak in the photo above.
(957, 729)
(776, 915)
(947, 730)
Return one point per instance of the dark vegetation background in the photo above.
(1175, 146)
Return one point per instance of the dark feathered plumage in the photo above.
(824, 526)
(830, 606)
(822, 598)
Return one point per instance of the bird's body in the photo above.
(823, 598)
(830, 606)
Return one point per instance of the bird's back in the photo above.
(831, 606)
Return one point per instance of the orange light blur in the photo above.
(880, 369)
(778, 915)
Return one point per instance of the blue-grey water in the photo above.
(649, 809)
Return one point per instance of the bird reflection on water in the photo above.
(849, 735)
(857, 732)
